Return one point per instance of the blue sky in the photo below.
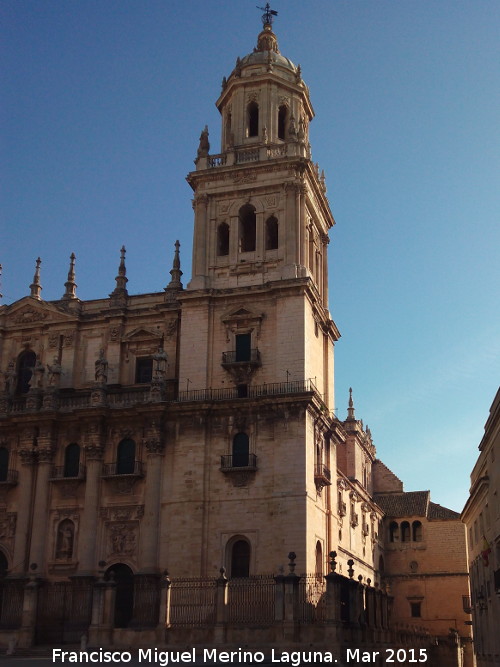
(101, 111)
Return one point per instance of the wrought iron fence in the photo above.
(251, 600)
(192, 602)
(230, 393)
(11, 603)
(312, 598)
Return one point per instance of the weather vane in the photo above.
(267, 16)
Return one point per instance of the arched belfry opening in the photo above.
(247, 223)
(223, 239)
(282, 121)
(253, 119)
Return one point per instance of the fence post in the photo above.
(332, 591)
(291, 600)
(30, 602)
(103, 611)
(164, 611)
(221, 607)
(279, 596)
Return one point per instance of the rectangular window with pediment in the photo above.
(143, 370)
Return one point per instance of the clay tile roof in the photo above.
(412, 503)
(441, 513)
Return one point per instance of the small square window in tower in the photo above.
(143, 371)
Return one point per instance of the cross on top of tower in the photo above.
(268, 15)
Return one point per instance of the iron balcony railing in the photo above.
(234, 357)
(61, 472)
(230, 393)
(9, 477)
(119, 468)
(238, 462)
(322, 472)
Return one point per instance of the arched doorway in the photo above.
(124, 600)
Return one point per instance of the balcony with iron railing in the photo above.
(123, 469)
(322, 476)
(253, 391)
(236, 358)
(231, 462)
(8, 477)
(65, 473)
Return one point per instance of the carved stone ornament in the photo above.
(122, 539)
(241, 478)
(68, 488)
(29, 314)
(271, 201)
(154, 446)
(114, 333)
(122, 486)
(122, 513)
(253, 96)
(224, 207)
(244, 177)
(171, 328)
(53, 340)
(8, 522)
(27, 456)
(69, 338)
(342, 484)
(45, 454)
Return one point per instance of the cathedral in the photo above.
(192, 429)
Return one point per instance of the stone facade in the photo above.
(193, 429)
(481, 516)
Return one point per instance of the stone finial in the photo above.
(333, 562)
(350, 571)
(70, 284)
(292, 564)
(175, 272)
(121, 279)
(350, 409)
(35, 286)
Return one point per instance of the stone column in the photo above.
(103, 612)
(26, 637)
(19, 560)
(152, 493)
(200, 205)
(45, 454)
(291, 581)
(89, 521)
(301, 211)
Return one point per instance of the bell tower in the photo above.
(256, 372)
(261, 212)
(261, 223)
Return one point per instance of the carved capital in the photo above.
(154, 446)
(45, 454)
(94, 452)
(28, 456)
